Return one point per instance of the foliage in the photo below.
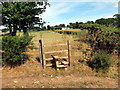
(117, 16)
(90, 25)
(5, 30)
(22, 15)
(101, 61)
(107, 39)
(106, 22)
(84, 52)
(14, 47)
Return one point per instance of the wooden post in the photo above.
(42, 54)
(69, 50)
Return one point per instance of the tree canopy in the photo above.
(117, 16)
(22, 15)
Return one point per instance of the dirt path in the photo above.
(69, 81)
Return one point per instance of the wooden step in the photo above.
(60, 66)
(48, 59)
(56, 51)
(65, 62)
(48, 65)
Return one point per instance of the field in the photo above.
(78, 75)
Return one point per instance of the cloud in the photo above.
(116, 5)
(66, 12)
(54, 13)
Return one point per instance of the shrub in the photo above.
(101, 61)
(106, 39)
(14, 47)
(5, 30)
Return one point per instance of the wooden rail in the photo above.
(47, 59)
(55, 45)
(56, 51)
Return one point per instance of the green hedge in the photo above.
(68, 32)
(14, 47)
(94, 25)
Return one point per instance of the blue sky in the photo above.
(79, 10)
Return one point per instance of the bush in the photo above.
(101, 61)
(106, 39)
(5, 30)
(14, 47)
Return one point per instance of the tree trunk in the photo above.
(10, 28)
(25, 31)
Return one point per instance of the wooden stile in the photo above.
(69, 54)
(42, 54)
(44, 60)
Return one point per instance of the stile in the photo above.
(42, 54)
(44, 60)
(69, 54)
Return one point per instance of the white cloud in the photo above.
(2, 27)
(53, 13)
(116, 5)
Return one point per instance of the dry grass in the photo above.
(48, 37)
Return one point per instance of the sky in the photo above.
(66, 11)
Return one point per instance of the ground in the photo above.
(78, 75)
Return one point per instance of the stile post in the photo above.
(69, 50)
(42, 54)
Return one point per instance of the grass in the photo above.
(48, 37)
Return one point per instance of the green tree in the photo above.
(90, 22)
(22, 15)
(107, 22)
(62, 25)
(48, 27)
(117, 16)
(77, 25)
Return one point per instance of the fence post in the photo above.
(42, 54)
(69, 50)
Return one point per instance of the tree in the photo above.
(62, 25)
(90, 22)
(107, 22)
(77, 25)
(22, 15)
(117, 16)
(70, 25)
(48, 27)
(101, 21)
(80, 22)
